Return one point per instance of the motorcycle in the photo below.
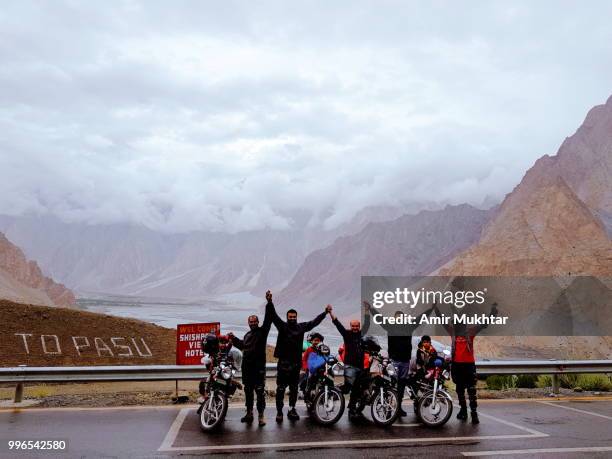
(218, 388)
(324, 401)
(434, 405)
(377, 384)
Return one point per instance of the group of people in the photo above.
(292, 359)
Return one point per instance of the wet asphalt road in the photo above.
(515, 428)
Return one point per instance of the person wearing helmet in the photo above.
(232, 355)
(288, 351)
(463, 365)
(314, 339)
(253, 346)
(353, 361)
(315, 360)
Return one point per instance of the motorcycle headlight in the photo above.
(390, 370)
(226, 372)
(337, 369)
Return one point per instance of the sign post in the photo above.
(189, 341)
(189, 346)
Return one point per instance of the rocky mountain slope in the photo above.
(45, 336)
(554, 221)
(409, 245)
(22, 280)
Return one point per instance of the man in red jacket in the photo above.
(463, 366)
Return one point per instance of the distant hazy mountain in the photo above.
(409, 245)
(134, 260)
(22, 280)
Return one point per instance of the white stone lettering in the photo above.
(78, 346)
(122, 346)
(43, 341)
(25, 340)
(150, 354)
(102, 347)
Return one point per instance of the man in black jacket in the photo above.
(288, 351)
(353, 360)
(253, 347)
(399, 340)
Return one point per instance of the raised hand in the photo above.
(328, 308)
(268, 296)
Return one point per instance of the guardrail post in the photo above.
(18, 393)
(555, 383)
(19, 390)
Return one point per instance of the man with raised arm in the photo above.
(399, 340)
(353, 360)
(463, 366)
(253, 347)
(288, 351)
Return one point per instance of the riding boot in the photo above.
(292, 414)
(248, 417)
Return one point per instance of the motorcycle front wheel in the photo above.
(385, 407)
(438, 415)
(213, 411)
(328, 411)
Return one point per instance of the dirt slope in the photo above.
(68, 337)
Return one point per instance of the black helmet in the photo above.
(210, 344)
(323, 349)
(370, 344)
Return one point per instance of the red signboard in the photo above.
(189, 341)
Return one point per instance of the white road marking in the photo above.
(174, 429)
(100, 408)
(533, 432)
(577, 410)
(586, 449)
(167, 444)
(318, 444)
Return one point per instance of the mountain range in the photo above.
(125, 259)
(557, 221)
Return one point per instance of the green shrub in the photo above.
(569, 381)
(499, 382)
(544, 381)
(594, 382)
(526, 381)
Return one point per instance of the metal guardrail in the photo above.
(543, 367)
(24, 374)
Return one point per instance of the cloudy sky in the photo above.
(232, 116)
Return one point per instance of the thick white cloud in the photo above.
(232, 116)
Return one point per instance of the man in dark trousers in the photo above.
(399, 340)
(289, 354)
(253, 347)
(353, 360)
(463, 366)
